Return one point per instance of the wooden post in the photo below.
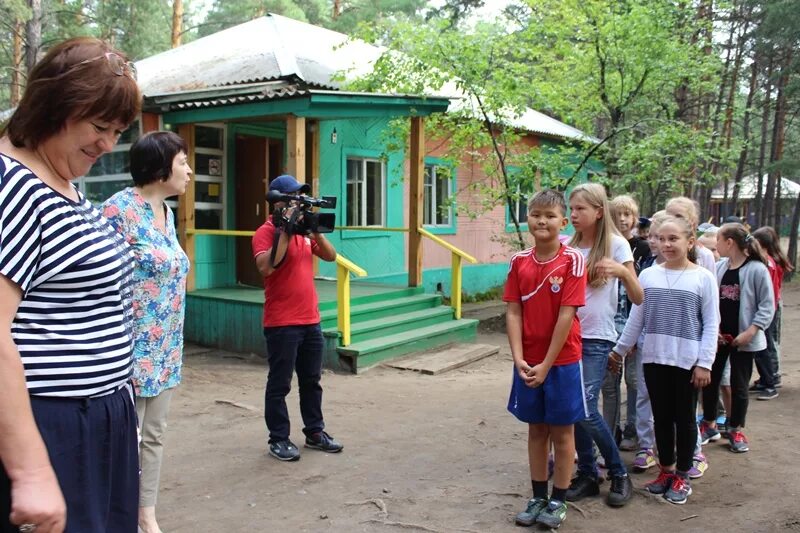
(186, 208)
(296, 138)
(417, 163)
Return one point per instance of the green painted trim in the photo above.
(423, 106)
(452, 228)
(296, 106)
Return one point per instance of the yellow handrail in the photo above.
(343, 269)
(456, 256)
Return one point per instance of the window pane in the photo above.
(99, 191)
(130, 135)
(354, 170)
(208, 219)
(522, 210)
(427, 204)
(353, 204)
(111, 163)
(442, 196)
(208, 165)
(208, 192)
(374, 193)
(206, 137)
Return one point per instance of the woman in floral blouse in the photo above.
(159, 169)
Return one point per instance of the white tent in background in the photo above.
(749, 186)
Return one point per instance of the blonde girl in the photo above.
(686, 208)
(609, 260)
(747, 306)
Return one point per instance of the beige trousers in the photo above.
(152, 413)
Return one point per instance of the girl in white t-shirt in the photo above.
(609, 259)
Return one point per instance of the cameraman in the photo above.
(292, 323)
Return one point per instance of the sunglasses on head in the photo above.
(115, 62)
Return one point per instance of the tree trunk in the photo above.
(778, 137)
(16, 66)
(793, 236)
(337, 9)
(177, 22)
(33, 34)
(762, 149)
(745, 135)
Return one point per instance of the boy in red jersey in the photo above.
(546, 284)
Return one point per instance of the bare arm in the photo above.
(325, 249)
(35, 494)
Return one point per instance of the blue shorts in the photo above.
(559, 401)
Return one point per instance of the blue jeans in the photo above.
(594, 429)
(290, 349)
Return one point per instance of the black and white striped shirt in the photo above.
(73, 325)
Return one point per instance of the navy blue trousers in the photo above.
(290, 349)
(93, 450)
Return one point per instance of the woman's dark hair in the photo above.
(152, 156)
(744, 241)
(769, 241)
(74, 81)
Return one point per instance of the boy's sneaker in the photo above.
(323, 441)
(767, 394)
(699, 466)
(531, 513)
(679, 490)
(621, 491)
(738, 442)
(581, 487)
(284, 450)
(645, 458)
(660, 484)
(553, 515)
(707, 433)
(756, 387)
(628, 444)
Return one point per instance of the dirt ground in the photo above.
(438, 453)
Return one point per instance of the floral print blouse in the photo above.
(159, 292)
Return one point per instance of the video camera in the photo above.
(303, 221)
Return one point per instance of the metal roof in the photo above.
(295, 56)
(749, 186)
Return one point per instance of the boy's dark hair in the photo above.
(152, 155)
(548, 198)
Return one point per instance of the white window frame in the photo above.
(430, 193)
(363, 200)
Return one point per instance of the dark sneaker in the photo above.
(661, 484)
(738, 442)
(707, 433)
(531, 513)
(323, 441)
(756, 387)
(620, 492)
(284, 450)
(678, 491)
(767, 394)
(553, 515)
(581, 487)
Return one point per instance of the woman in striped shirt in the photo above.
(67, 419)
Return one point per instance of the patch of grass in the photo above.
(495, 293)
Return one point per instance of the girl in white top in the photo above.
(679, 320)
(609, 259)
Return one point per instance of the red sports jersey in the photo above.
(290, 298)
(543, 288)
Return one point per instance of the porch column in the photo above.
(186, 208)
(296, 139)
(416, 160)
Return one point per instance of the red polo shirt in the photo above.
(290, 298)
(543, 288)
